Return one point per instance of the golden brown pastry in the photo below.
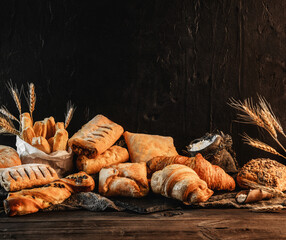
(59, 125)
(26, 120)
(8, 157)
(32, 200)
(42, 144)
(60, 140)
(27, 176)
(215, 177)
(95, 137)
(28, 134)
(143, 147)
(182, 183)
(51, 143)
(124, 179)
(50, 122)
(262, 171)
(40, 129)
(111, 156)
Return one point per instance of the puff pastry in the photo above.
(95, 137)
(182, 183)
(143, 147)
(32, 200)
(111, 156)
(27, 176)
(8, 157)
(124, 179)
(215, 176)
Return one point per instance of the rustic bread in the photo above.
(182, 183)
(124, 179)
(28, 134)
(50, 122)
(26, 176)
(26, 120)
(42, 144)
(111, 156)
(143, 147)
(95, 137)
(8, 157)
(32, 200)
(40, 129)
(60, 140)
(265, 172)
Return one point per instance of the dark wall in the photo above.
(160, 67)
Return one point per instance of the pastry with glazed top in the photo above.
(124, 179)
(8, 157)
(143, 147)
(182, 183)
(215, 177)
(26, 176)
(32, 200)
(111, 156)
(95, 137)
(262, 171)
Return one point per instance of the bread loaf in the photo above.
(8, 157)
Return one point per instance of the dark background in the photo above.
(155, 66)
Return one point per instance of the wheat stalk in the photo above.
(251, 116)
(32, 99)
(7, 127)
(260, 145)
(16, 96)
(267, 108)
(267, 122)
(7, 114)
(69, 114)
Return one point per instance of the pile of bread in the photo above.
(154, 166)
(47, 135)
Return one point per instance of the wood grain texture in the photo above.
(191, 224)
(160, 67)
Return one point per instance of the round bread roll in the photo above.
(8, 157)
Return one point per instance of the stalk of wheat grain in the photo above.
(7, 127)
(7, 114)
(32, 99)
(69, 114)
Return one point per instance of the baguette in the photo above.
(50, 122)
(42, 144)
(26, 120)
(40, 129)
(60, 140)
(28, 134)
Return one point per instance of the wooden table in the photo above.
(179, 224)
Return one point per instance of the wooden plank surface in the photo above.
(187, 224)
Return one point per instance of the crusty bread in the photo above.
(60, 140)
(8, 157)
(27, 176)
(50, 122)
(95, 137)
(40, 129)
(51, 143)
(42, 144)
(26, 120)
(265, 172)
(111, 156)
(59, 125)
(28, 134)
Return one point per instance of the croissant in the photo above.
(32, 200)
(182, 183)
(215, 176)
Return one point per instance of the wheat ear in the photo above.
(32, 98)
(7, 127)
(16, 96)
(260, 145)
(251, 116)
(7, 114)
(267, 108)
(69, 114)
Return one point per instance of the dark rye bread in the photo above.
(262, 171)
